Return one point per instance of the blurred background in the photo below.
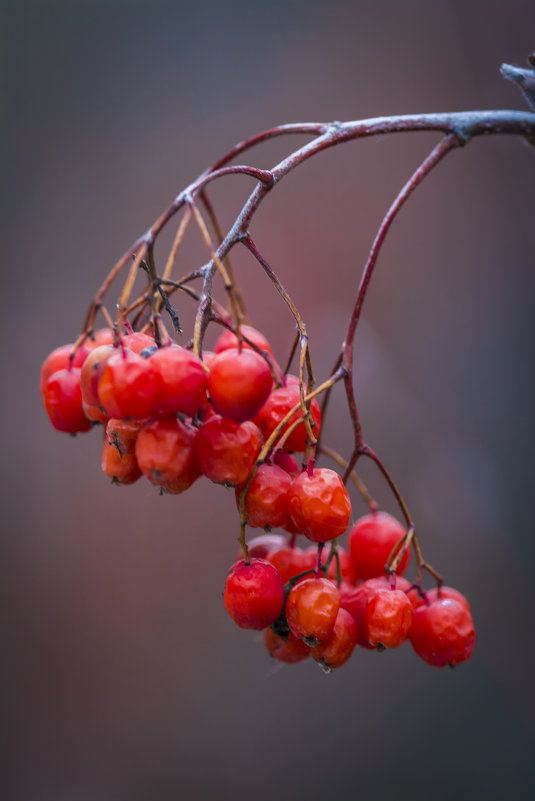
(124, 677)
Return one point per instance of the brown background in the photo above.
(125, 679)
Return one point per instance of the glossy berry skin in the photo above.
(319, 505)
(265, 544)
(443, 633)
(228, 340)
(127, 387)
(371, 541)
(434, 594)
(102, 336)
(97, 414)
(311, 609)
(279, 403)
(344, 588)
(123, 434)
(137, 341)
(60, 359)
(122, 467)
(254, 594)
(226, 450)
(357, 601)
(238, 384)
(183, 480)
(288, 462)
(289, 651)
(164, 450)
(289, 561)
(180, 381)
(340, 644)
(92, 369)
(63, 401)
(266, 502)
(388, 618)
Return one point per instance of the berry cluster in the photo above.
(234, 417)
(309, 607)
(174, 414)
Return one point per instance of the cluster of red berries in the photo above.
(324, 609)
(172, 417)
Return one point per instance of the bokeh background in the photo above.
(124, 678)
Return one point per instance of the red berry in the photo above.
(345, 589)
(165, 450)
(279, 403)
(95, 413)
(60, 359)
(102, 336)
(228, 340)
(288, 462)
(371, 541)
(265, 544)
(357, 601)
(289, 561)
(388, 618)
(63, 401)
(432, 595)
(180, 380)
(123, 467)
(137, 342)
(443, 633)
(266, 502)
(319, 505)
(123, 433)
(92, 369)
(127, 387)
(339, 645)
(254, 594)
(183, 480)
(239, 383)
(290, 651)
(311, 609)
(226, 451)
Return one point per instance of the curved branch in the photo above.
(463, 125)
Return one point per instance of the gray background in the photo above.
(124, 677)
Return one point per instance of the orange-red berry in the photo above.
(226, 450)
(60, 359)
(265, 544)
(339, 645)
(180, 381)
(266, 502)
(121, 466)
(443, 633)
(92, 369)
(289, 561)
(229, 340)
(357, 601)
(254, 594)
(239, 383)
(435, 594)
(319, 505)
(291, 650)
(371, 541)
(311, 609)
(388, 618)
(63, 401)
(165, 450)
(280, 403)
(127, 386)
